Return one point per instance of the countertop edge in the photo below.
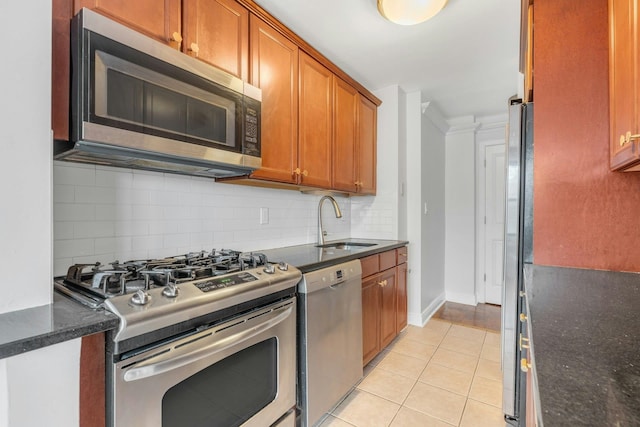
(62, 320)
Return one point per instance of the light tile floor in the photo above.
(441, 375)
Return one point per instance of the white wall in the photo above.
(377, 216)
(459, 271)
(103, 214)
(434, 129)
(425, 160)
(40, 387)
(25, 175)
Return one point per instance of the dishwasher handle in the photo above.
(330, 277)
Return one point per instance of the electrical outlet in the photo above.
(264, 215)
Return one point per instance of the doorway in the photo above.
(490, 221)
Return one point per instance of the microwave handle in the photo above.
(148, 369)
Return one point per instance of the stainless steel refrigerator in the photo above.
(518, 244)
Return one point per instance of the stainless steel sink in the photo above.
(346, 246)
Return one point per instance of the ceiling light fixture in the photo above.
(410, 12)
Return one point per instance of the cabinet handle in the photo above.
(194, 48)
(305, 173)
(525, 340)
(626, 138)
(296, 171)
(523, 317)
(524, 365)
(176, 38)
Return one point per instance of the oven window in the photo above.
(227, 393)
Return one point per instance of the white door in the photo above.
(494, 221)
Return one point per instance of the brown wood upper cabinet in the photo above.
(624, 88)
(214, 31)
(274, 69)
(217, 32)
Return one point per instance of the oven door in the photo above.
(238, 373)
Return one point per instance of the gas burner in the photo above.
(119, 278)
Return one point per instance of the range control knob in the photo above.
(170, 291)
(283, 266)
(269, 268)
(140, 297)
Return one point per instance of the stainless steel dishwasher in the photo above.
(329, 338)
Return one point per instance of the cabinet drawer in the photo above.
(402, 255)
(370, 265)
(387, 260)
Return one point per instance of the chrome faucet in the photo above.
(336, 209)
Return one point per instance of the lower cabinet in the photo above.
(384, 301)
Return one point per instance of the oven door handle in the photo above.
(170, 361)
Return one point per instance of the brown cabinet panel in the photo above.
(92, 381)
(370, 265)
(60, 67)
(623, 84)
(370, 319)
(274, 68)
(387, 282)
(401, 297)
(156, 18)
(366, 149)
(387, 260)
(384, 300)
(220, 29)
(344, 136)
(316, 104)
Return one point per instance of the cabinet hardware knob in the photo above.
(305, 172)
(296, 171)
(623, 140)
(524, 365)
(194, 48)
(176, 37)
(523, 317)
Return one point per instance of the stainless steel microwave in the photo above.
(138, 103)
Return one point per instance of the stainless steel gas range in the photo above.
(205, 338)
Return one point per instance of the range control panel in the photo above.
(225, 281)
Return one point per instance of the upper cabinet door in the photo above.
(274, 69)
(623, 88)
(367, 135)
(217, 32)
(316, 108)
(159, 19)
(344, 136)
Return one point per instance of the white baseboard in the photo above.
(420, 319)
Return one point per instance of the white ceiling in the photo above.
(464, 60)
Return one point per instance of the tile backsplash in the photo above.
(103, 214)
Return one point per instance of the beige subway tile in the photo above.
(461, 345)
(409, 418)
(477, 414)
(455, 360)
(387, 385)
(489, 369)
(486, 391)
(447, 378)
(401, 364)
(436, 402)
(363, 409)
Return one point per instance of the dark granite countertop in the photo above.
(586, 338)
(309, 257)
(63, 320)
